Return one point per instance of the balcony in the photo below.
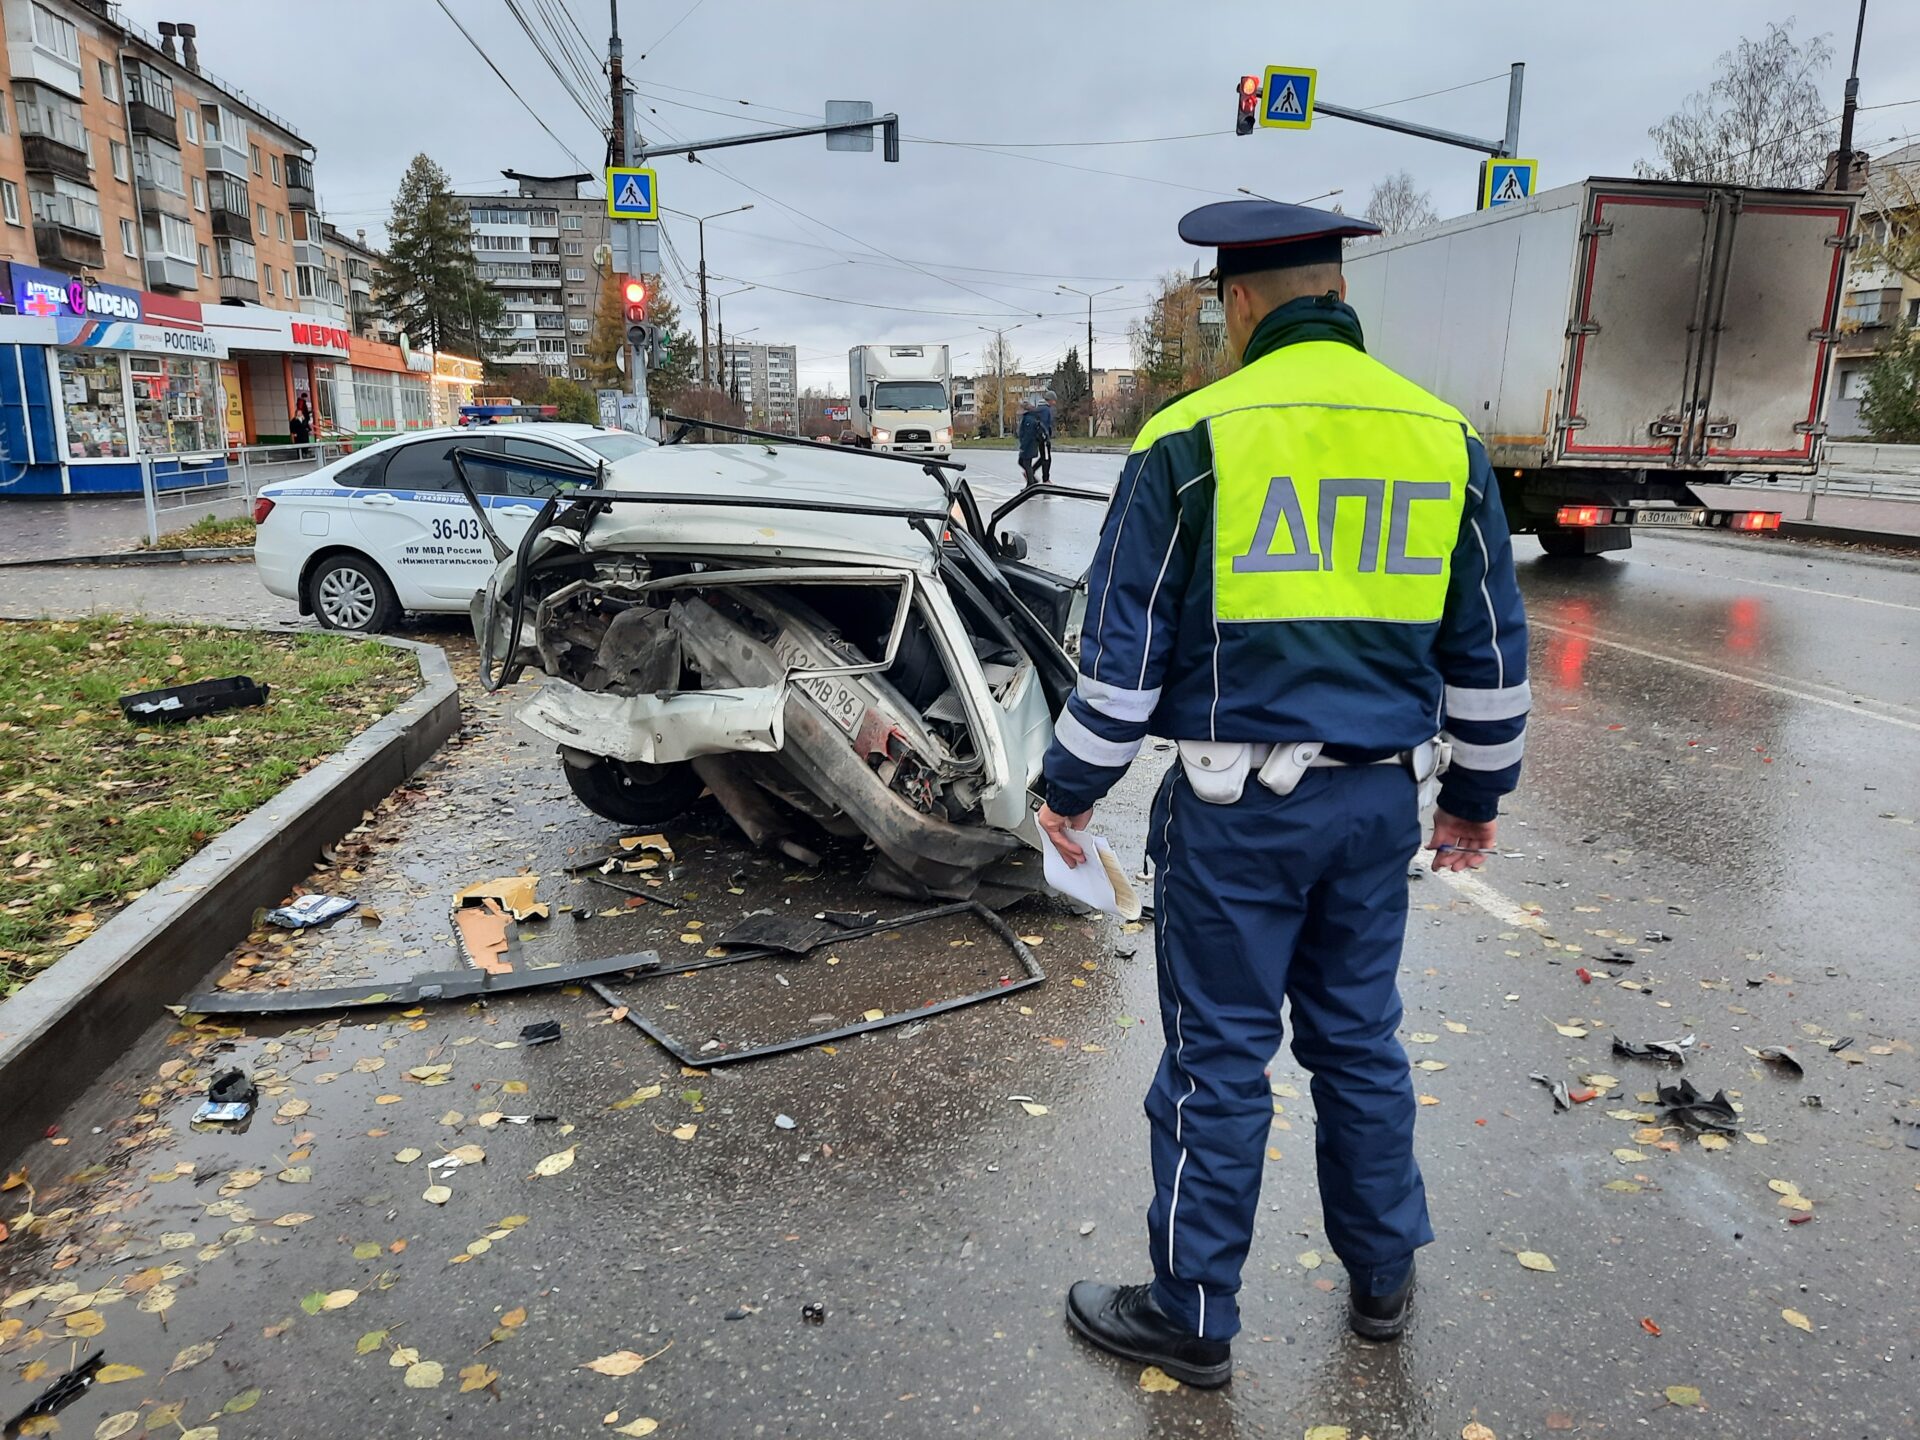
(309, 253)
(170, 272)
(224, 158)
(299, 184)
(48, 155)
(151, 120)
(232, 287)
(64, 249)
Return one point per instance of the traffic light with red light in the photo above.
(1248, 98)
(634, 290)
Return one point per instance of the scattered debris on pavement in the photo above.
(309, 910)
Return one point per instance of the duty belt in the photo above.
(1217, 770)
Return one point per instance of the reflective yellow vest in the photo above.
(1338, 487)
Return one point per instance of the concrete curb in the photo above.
(139, 557)
(81, 1014)
(1814, 530)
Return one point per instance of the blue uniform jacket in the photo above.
(1153, 660)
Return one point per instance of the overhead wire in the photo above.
(573, 42)
(671, 28)
(596, 116)
(481, 52)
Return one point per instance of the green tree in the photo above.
(428, 282)
(1072, 390)
(576, 403)
(679, 369)
(1890, 406)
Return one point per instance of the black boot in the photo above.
(1125, 1321)
(1381, 1317)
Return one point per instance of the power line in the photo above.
(671, 28)
(573, 43)
(1428, 94)
(594, 116)
(942, 264)
(509, 84)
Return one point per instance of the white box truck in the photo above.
(902, 398)
(1617, 341)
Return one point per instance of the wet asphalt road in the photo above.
(1724, 753)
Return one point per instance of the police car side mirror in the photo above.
(1013, 547)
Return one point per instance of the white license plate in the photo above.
(844, 705)
(1669, 517)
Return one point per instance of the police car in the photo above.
(387, 529)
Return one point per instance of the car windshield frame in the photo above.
(934, 387)
(611, 439)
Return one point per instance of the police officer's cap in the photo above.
(1268, 235)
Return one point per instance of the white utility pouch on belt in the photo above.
(1216, 769)
(1281, 769)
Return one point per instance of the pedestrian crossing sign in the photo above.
(1286, 101)
(632, 193)
(1507, 182)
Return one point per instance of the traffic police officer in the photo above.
(1305, 578)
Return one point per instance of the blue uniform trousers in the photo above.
(1300, 897)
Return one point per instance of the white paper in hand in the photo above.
(1102, 885)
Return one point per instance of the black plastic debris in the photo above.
(1667, 1052)
(791, 934)
(1783, 1057)
(1842, 1043)
(848, 919)
(231, 1097)
(190, 702)
(1657, 937)
(1561, 1099)
(61, 1393)
(540, 1032)
(814, 1313)
(1909, 1131)
(1684, 1103)
(462, 984)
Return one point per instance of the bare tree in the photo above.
(997, 359)
(1763, 120)
(1396, 205)
(1890, 214)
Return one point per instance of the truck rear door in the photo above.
(1762, 378)
(1701, 326)
(1639, 300)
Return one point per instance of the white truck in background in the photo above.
(1616, 342)
(901, 398)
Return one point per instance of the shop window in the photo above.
(177, 404)
(373, 401)
(416, 403)
(95, 404)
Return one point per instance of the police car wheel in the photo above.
(348, 592)
(632, 794)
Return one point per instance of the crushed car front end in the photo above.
(815, 638)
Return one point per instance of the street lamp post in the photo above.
(1000, 369)
(720, 315)
(1088, 296)
(706, 375)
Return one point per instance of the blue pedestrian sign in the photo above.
(1286, 100)
(1507, 182)
(632, 193)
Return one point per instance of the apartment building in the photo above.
(764, 379)
(538, 247)
(355, 261)
(1879, 302)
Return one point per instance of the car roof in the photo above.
(773, 473)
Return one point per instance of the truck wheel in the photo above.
(632, 794)
(1565, 544)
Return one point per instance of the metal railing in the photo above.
(1853, 484)
(181, 489)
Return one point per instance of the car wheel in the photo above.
(348, 592)
(633, 794)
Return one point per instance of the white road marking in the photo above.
(1844, 707)
(1472, 887)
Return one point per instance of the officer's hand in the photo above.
(1055, 825)
(1455, 841)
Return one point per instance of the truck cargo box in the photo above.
(1621, 324)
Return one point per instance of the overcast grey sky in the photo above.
(371, 82)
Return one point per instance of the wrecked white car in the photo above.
(827, 640)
